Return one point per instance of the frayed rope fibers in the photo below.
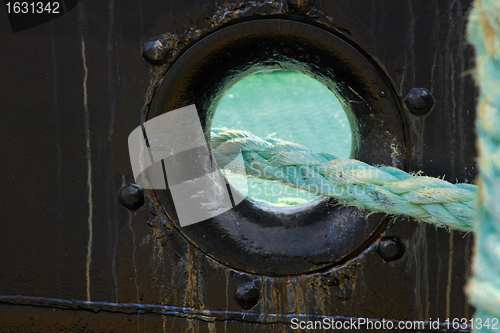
(484, 287)
(387, 189)
(379, 189)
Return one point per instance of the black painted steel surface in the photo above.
(277, 241)
(73, 259)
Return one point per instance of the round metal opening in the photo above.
(269, 240)
(290, 106)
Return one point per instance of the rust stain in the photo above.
(300, 300)
(290, 297)
(489, 32)
(190, 295)
(277, 299)
(449, 281)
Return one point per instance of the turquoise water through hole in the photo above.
(290, 106)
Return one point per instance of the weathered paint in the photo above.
(141, 277)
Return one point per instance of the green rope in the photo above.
(378, 189)
(392, 191)
(389, 190)
(484, 288)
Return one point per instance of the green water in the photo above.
(290, 106)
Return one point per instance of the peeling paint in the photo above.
(89, 165)
(450, 273)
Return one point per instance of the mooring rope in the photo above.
(378, 189)
(484, 287)
(392, 191)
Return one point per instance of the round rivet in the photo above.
(300, 5)
(132, 196)
(391, 248)
(419, 101)
(155, 51)
(153, 210)
(247, 295)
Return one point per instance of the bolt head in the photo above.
(420, 101)
(300, 5)
(391, 248)
(131, 196)
(247, 295)
(155, 51)
(153, 210)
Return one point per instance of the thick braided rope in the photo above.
(378, 189)
(484, 288)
